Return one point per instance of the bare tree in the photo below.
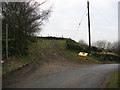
(100, 44)
(109, 46)
(82, 41)
(115, 47)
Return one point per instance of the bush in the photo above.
(95, 49)
(107, 56)
(71, 44)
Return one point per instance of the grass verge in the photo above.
(93, 58)
(113, 81)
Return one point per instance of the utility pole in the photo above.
(89, 27)
(6, 41)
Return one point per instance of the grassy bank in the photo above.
(38, 52)
(41, 51)
(113, 81)
(16, 62)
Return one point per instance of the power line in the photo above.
(80, 23)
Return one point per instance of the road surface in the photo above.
(93, 76)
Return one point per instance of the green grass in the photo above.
(66, 53)
(113, 81)
(93, 58)
(17, 62)
(98, 60)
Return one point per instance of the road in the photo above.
(93, 76)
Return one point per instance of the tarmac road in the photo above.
(86, 77)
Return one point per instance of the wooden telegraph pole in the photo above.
(89, 27)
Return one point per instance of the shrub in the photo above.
(95, 49)
(71, 44)
(107, 56)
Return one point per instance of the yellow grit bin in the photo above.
(83, 55)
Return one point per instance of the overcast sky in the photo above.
(67, 15)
